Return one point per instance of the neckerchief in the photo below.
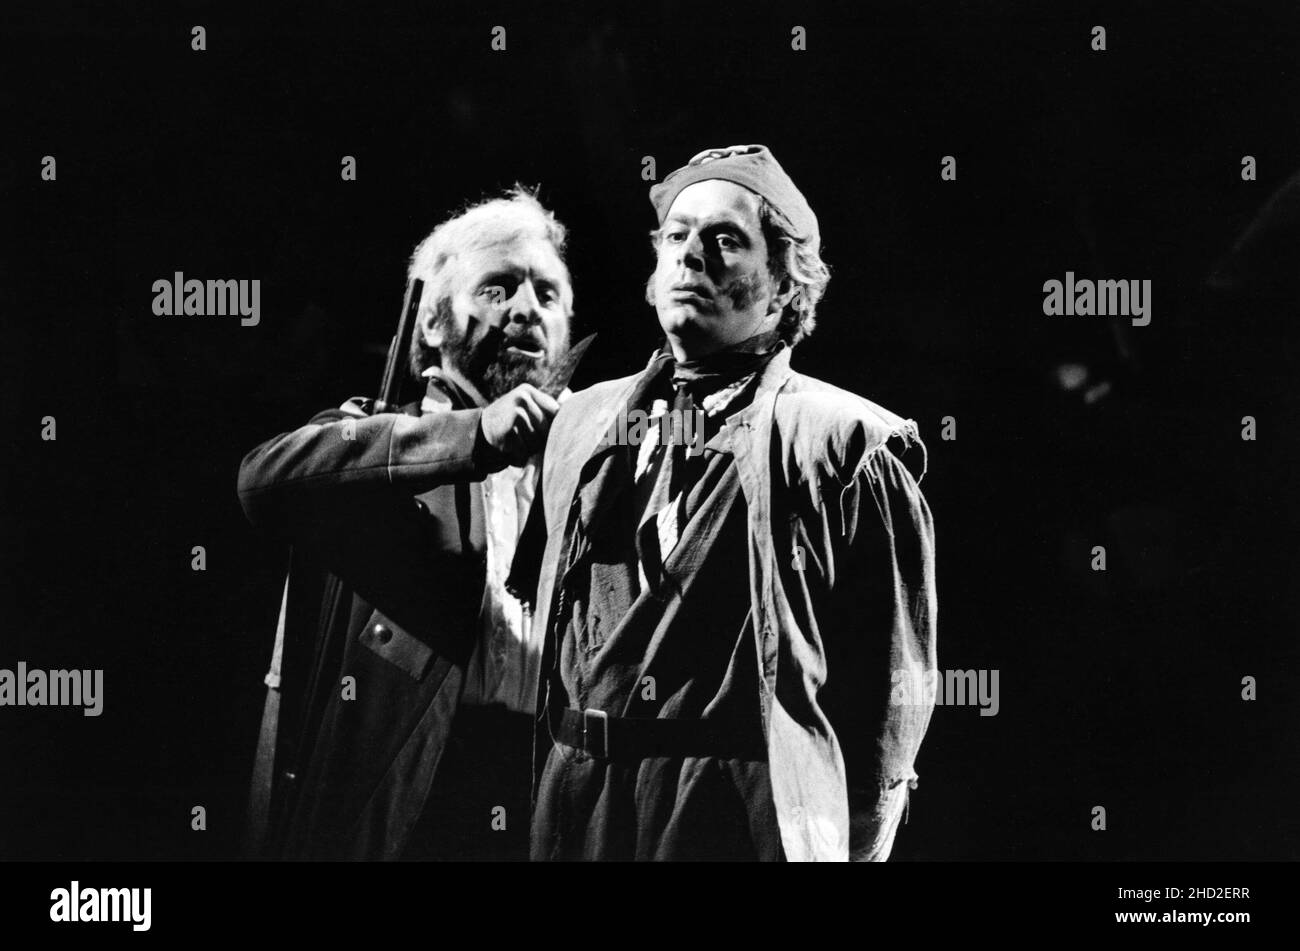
(712, 372)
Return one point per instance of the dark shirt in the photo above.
(683, 647)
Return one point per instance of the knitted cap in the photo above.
(750, 166)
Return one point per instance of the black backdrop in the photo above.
(1119, 689)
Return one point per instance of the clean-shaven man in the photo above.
(726, 617)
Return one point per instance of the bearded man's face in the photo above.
(506, 321)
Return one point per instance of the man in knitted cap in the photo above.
(732, 621)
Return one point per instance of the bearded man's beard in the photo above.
(489, 365)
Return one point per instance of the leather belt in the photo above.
(605, 737)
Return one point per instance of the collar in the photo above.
(449, 389)
(585, 456)
(721, 369)
(771, 376)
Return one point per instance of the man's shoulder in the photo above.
(580, 406)
(598, 393)
(806, 397)
(825, 427)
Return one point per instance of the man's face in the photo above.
(711, 283)
(517, 286)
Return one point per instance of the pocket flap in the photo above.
(397, 647)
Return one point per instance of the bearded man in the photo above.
(726, 625)
(424, 746)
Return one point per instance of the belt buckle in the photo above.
(587, 716)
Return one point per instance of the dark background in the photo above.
(1119, 689)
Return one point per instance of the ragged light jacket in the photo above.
(842, 593)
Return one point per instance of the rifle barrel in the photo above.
(390, 387)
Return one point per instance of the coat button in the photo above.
(382, 633)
